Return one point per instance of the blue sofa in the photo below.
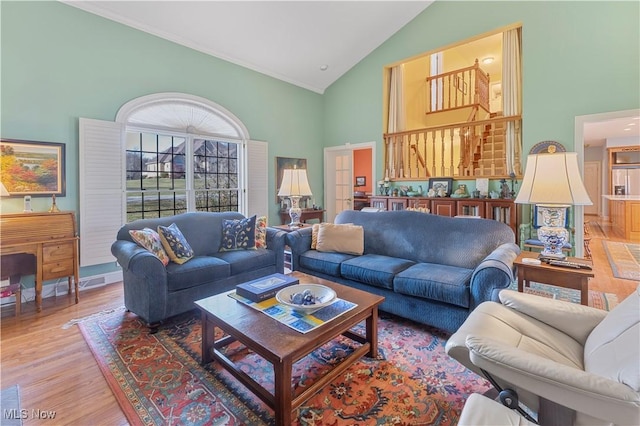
(155, 292)
(431, 269)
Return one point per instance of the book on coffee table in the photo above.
(266, 287)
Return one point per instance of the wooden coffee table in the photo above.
(283, 346)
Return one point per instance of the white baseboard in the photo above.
(61, 286)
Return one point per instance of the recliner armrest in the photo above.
(584, 392)
(572, 319)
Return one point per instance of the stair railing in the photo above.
(466, 149)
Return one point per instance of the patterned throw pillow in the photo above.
(175, 243)
(149, 239)
(239, 234)
(261, 232)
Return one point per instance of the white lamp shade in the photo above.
(553, 179)
(294, 183)
(3, 190)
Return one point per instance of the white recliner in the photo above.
(571, 364)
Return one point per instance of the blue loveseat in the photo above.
(432, 269)
(155, 292)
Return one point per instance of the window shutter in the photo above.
(101, 189)
(257, 178)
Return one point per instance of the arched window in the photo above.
(182, 153)
(165, 154)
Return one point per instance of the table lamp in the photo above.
(295, 186)
(553, 183)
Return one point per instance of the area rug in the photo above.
(597, 299)
(624, 259)
(157, 379)
(10, 404)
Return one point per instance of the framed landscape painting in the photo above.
(32, 168)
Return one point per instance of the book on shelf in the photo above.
(266, 287)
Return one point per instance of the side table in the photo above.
(577, 279)
(287, 250)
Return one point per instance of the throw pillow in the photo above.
(261, 232)
(314, 233)
(175, 243)
(239, 234)
(150, 240)
(345, 238)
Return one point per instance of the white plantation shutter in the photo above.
(101, 189)
(257, 183)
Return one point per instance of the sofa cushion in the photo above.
(150, 240)
(340, 238)
(326, 263)
(612, 349)
(374, 269)
(199, 270)
(247, 260)
(238, 234)
(175, 243)
(448, 284)
(261, 232)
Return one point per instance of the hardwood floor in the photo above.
(57, 372)
(604, 279)
(54, 367)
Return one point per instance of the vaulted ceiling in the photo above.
(307, 43)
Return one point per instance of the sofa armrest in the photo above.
(572, 319)
(276, 242)
(299, 241)
(126, 251)
(494, 273)
(584, 392)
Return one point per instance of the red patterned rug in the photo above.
(157, 379)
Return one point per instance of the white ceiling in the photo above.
(287, 40)
(291, 40)
(596, 133)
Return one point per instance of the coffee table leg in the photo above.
(282, 391)
(208, 338)
(372, 332)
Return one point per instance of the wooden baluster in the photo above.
(451, 168)
(433, 151)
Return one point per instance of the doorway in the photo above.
(582, 125)
(339, 177)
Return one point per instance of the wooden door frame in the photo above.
(329, 192)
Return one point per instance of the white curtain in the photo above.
(396, 123)
(511, 95)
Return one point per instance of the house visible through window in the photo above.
(161, 183)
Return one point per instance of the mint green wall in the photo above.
(578, 58)
(60, 63)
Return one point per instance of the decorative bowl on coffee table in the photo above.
(306, 298)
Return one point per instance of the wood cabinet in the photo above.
(51, 238)
(495, 209)
(625, 218)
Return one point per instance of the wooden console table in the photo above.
(51, 238)
(307, 214)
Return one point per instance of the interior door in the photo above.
(338, 182)
(593, 185)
